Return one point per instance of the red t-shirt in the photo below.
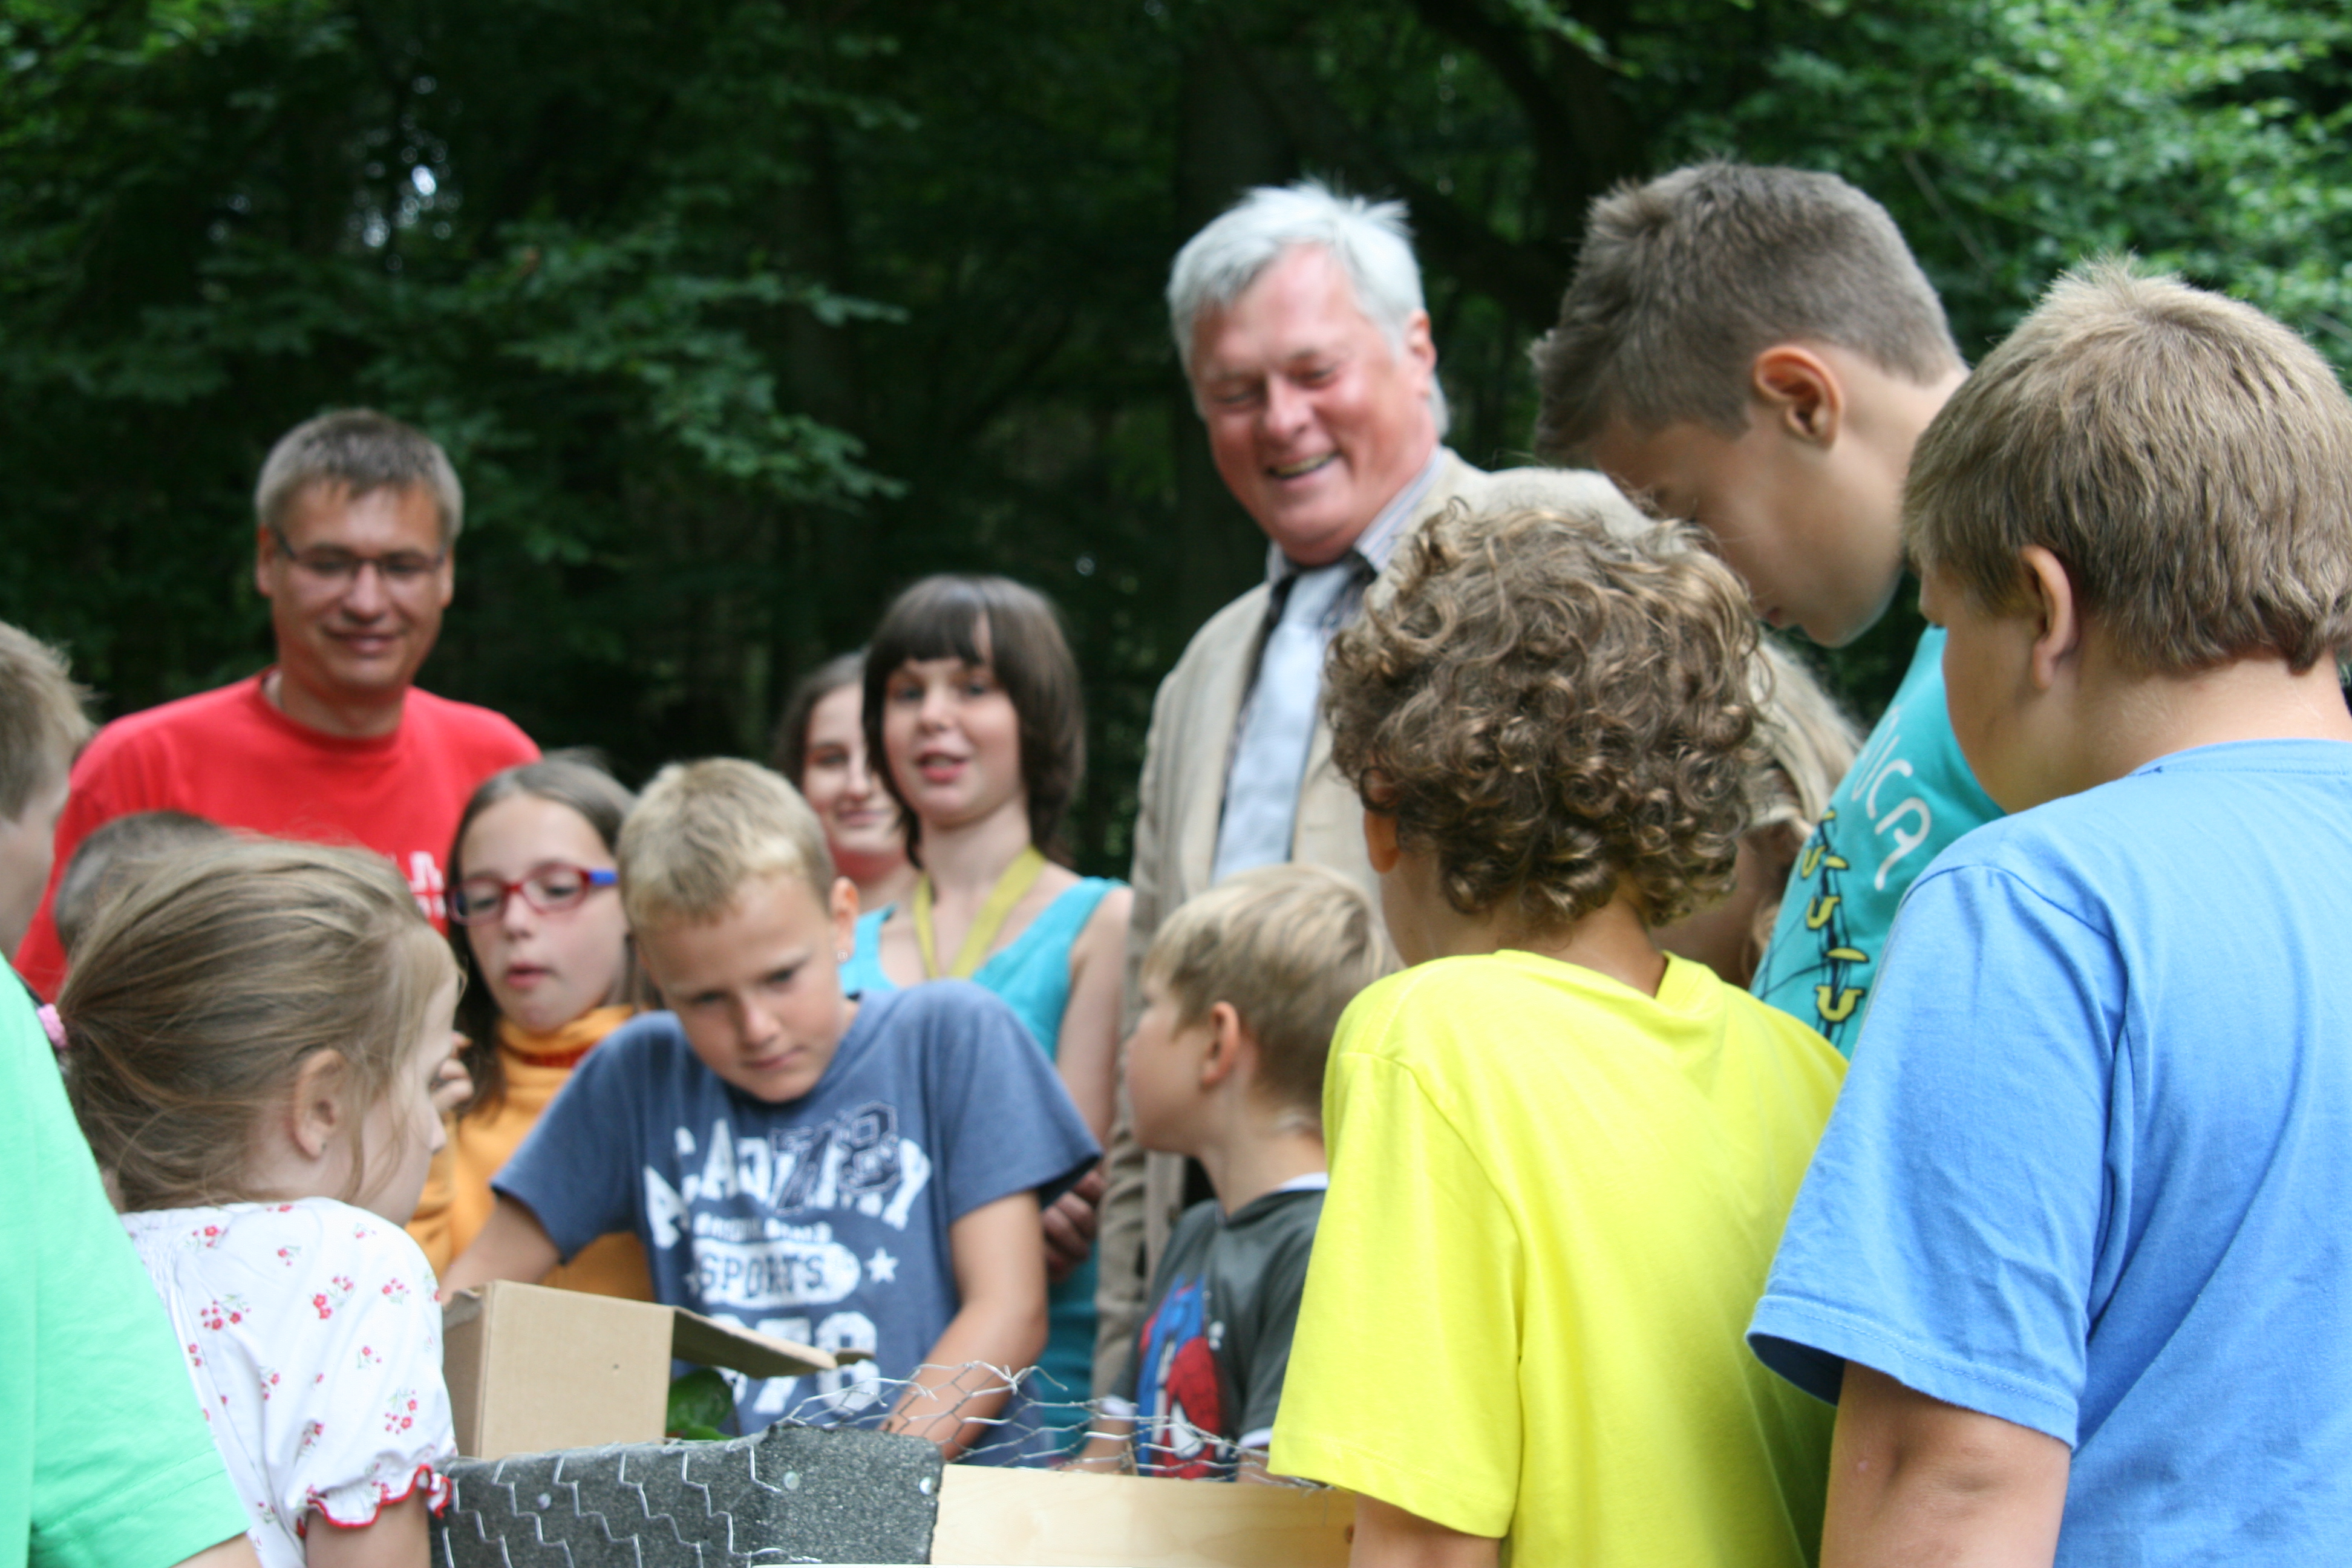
(228, 755)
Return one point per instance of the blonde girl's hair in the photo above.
(1811, 739)
(199, 993)
(1810, 743)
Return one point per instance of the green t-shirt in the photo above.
(108, 1461)
(1908, 796)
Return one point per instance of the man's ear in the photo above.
(317, 1114)
(1229, 1037)
(1381, 840)
(1419, 349)
(1801, 393)
(265, 557)
(2058, 616)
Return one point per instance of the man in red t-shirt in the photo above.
(358, 517)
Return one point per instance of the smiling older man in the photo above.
(1299, 318)
(358, 518)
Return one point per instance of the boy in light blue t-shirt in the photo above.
(2071, 1257)
(1755, 350)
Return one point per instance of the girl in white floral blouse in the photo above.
(252, 1037)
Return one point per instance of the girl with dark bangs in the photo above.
(972, 705)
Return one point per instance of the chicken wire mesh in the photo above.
(1021, 1418)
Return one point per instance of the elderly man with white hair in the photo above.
(1298, 319)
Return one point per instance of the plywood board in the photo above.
(1058, 1519)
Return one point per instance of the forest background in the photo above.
(738, 316)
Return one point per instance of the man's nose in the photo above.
(1286, 406)
(370, 593)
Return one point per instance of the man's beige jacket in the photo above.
(1179, 803)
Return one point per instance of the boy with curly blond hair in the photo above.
(1559, 1159)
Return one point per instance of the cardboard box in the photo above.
(532, 1369)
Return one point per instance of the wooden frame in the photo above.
(1060, 1518)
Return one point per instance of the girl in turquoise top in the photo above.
(972, 702)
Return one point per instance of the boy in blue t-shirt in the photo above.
(1756, 351)
(854, 1174)
(2072, 1257)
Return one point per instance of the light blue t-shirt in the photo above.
(1031, 974)
(1906, 797)
(2089, 1171)
(823, 1219)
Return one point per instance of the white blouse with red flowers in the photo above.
(314, 1344)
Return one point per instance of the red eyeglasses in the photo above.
(550, 888)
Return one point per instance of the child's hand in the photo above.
(452, 1084)
(1069, 1225)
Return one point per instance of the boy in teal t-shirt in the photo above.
(1756, 350)
(1907, 795)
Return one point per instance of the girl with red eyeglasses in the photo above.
(536, 921)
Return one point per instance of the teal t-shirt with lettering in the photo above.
(1907, 795)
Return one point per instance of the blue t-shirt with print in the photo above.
(2087, 1174)
(823, 1220)
(1906, 797)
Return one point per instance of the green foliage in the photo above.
(738, 317)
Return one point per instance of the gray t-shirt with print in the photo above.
(823, 1220)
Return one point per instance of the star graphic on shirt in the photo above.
(882, 1269)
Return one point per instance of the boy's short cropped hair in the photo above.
(702, 830)
(1547, 708)
(1683, 281)
(43, 721)
(1287, 947)
(118, 847)
(2186, 458)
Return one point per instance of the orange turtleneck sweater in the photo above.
(457, 1199)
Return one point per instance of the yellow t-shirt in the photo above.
(1553, 1203)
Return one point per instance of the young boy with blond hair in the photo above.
(1243, 986)
(1559, 1159)
(1756, 350)
(2071, 1258)
(853, 1173)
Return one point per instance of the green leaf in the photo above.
(699, 1404)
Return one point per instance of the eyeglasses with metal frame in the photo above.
(340, 568)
